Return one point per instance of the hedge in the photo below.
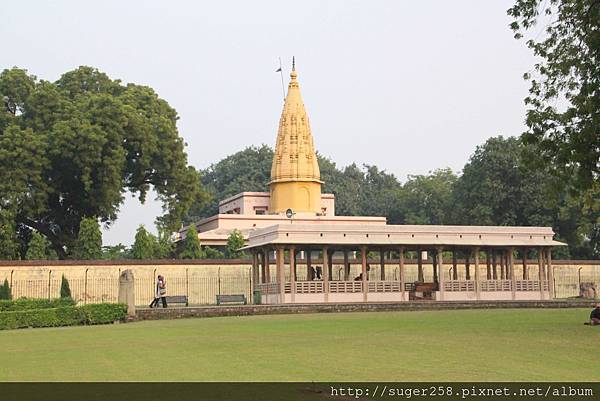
(63, 316)
(103, 313)
(23, 304)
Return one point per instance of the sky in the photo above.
(409, 86)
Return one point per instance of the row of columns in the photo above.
(545, 271)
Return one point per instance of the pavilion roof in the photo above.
(389, 235)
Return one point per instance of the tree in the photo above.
(563, 117)
(145, 244)
(235, 241)
(39, 248)
(212, 253)
(116, 252)
(246, 170)
(65, 289)
(8, 238)
(165, 247)
(191, 244)
(89, 240)
(496, 189)
(426, 199)
(72, 148)
(5, 292)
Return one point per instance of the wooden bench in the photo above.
(234, 298)
(177, 299)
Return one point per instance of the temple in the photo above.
(303, 253)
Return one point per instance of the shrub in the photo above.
(103, 313)
(62, 316)
(65, 289)
(5, 292)
(22, 304)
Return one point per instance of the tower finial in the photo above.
(293, 63)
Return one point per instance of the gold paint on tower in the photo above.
(295, 177)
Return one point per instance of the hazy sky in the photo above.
(409, 86)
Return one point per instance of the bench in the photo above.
(237, 298)
(177, 299)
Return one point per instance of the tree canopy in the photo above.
(71, 149)
(89, 240)
(563, 117)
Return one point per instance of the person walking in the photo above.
(160, 292)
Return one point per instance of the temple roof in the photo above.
(295, 158)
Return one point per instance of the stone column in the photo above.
(435, 266)
(263, 271)
(525, 272)
(127, 291)
(254, 267)
(363, 255)
(454, 265)
(279, 261)
(330, 264)
(494, 265)
(488, 265)
(441, 276)
(346, 266)
(550, 272)
(468, 265)
(420, 265)
(510, 264)
(476, 257)
(292, 274)
(308, 265)
(401, 257)
(541, 271)
(326, 273)
(382, 264)
(267, 278)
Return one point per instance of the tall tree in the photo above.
(71, 149)
(426, 199)
(89, 240)
(8, 238)
(235, 241)
(191, 244)
(246, 170)
(39, 248)
(145, 244)
(563, 116)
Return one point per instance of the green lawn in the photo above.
(495, 345)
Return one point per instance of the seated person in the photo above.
(358, 278)
(595, 316)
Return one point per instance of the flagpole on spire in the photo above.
(282, 84)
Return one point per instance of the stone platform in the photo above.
(247, 310)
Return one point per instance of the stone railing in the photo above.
(383, 286)
(459, 285)
(268, 288)
(495, 285)
(308, 287)
(345, 286)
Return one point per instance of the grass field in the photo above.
(495, 345)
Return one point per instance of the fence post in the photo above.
(251, 295)
(219, 280)
(49, 282)
(187, 284)
(85, 287)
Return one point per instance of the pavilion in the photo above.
(296, 223)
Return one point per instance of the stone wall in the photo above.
(246, 310)
(201, 280)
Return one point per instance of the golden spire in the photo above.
(295, 158)
(295, 176)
